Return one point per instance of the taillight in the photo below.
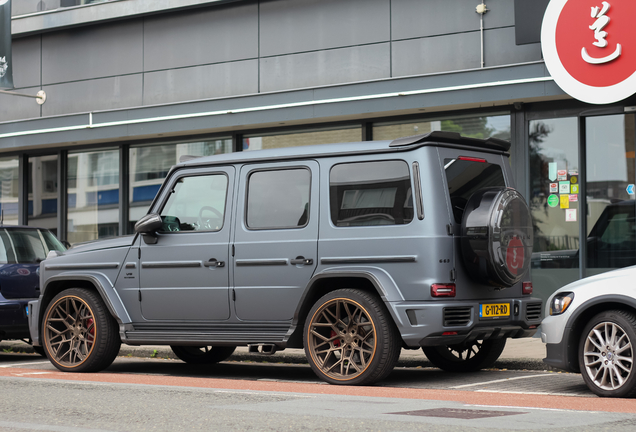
(472, 159)
(526, 288)
(443, 290)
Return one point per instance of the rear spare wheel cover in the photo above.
(497, 236)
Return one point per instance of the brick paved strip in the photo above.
(469, 397)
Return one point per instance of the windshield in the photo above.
(26, 246)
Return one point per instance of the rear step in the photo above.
(265, 349)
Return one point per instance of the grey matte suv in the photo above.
(351, 251)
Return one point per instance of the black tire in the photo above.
(359, 347)
(606, 354)
(496, 237)
(79, 333)
(203, 354)
(466, 357)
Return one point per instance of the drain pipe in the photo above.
(481, 9)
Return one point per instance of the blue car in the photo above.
(22, 248)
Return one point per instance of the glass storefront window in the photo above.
(611, 228)
(497, 126)
(304, 138)
(149, 166)
(9, 187)
(554, 203)
(42, 187)
(93, 195)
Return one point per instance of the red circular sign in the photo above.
(515, 255)
(589, 47)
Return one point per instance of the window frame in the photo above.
(247, 196)
(170, 190)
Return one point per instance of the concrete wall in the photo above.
(249, 47)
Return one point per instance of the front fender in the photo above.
(100, 281)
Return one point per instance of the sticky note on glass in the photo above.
(564, 187)
(565, 201)
(570, 215)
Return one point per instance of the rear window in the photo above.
(371, 193)
(464, 177)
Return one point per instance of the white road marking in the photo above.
(500, 380)
(531, 408)
(32, 373)
(533, 393)
(22, 364)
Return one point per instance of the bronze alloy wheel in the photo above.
(79, 334)
(342, 340)
(70, 331)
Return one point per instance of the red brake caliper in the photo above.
(336, 342)
(90, 326)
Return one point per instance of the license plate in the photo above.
(494, 310)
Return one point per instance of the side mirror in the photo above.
(147, 226)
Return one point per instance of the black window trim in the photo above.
(276, 168)
(171, 185)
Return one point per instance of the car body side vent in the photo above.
(457, 316)
(533, 311)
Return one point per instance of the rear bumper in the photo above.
(435, 323)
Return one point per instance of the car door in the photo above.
(276, 238)
(184, 275)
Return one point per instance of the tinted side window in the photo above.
(464, 177)
(196, 204)
(278, 199)
(370, 193)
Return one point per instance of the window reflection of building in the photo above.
(9, 190)
(42, 189)
(93, 195)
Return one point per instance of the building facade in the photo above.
(132, 85)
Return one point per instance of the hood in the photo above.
(115, 242)
(626, 272)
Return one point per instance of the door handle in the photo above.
(214, 263)
(301, 260)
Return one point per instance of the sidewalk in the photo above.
(519, 354)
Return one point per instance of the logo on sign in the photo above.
(515, 255)
(3, 66)
(589, 47)
(24, 272)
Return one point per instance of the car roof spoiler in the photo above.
(452, 138)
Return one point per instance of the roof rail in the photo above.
(452, 138)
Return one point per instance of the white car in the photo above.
(590, 327)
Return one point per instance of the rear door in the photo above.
(276, 238)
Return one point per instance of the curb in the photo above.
(408, 358)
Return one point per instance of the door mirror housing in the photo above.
(148, 226)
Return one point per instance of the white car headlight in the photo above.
(561, 302)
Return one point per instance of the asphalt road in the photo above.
(148, 394)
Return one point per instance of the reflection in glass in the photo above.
(196, 204)
(42, 186)
(304, 138)
(497, 126)
(93, 195)
(278, 199)
(9, 187)
(610, 163)
(149, 166)
(554, 203)
(370, 193)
